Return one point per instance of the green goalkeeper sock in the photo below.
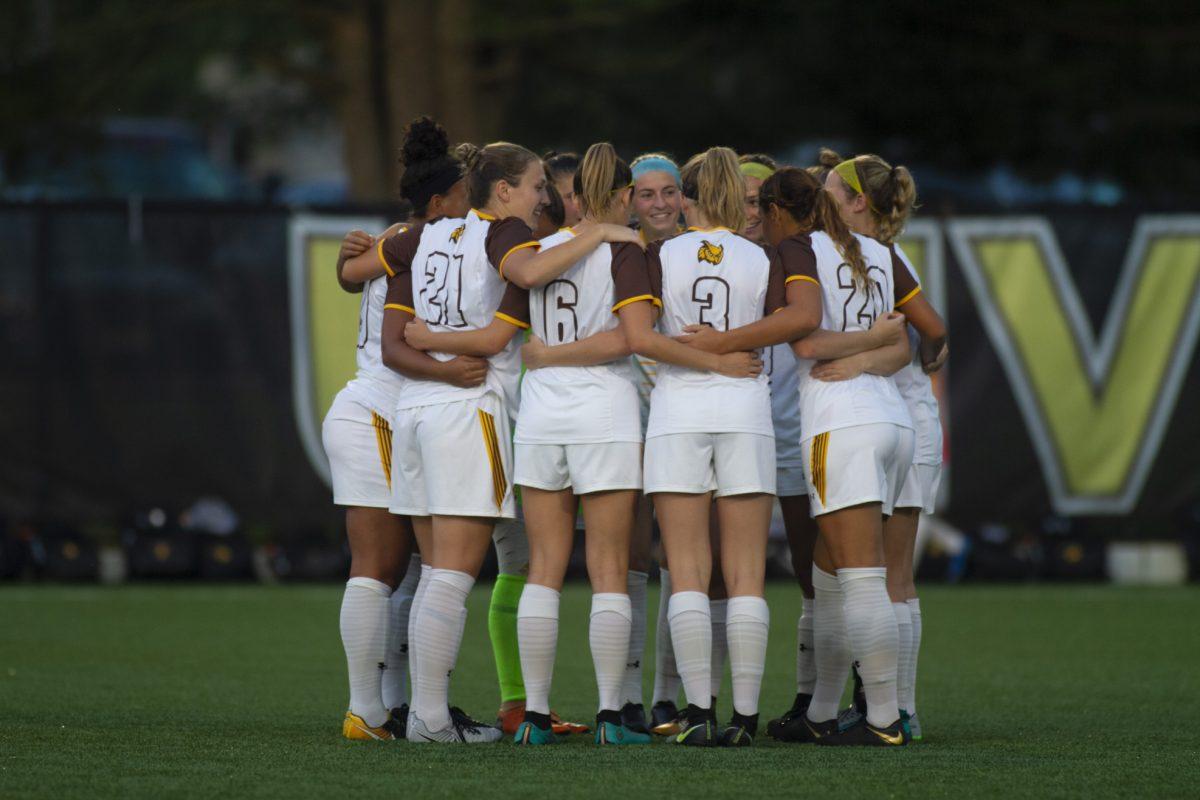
(502, 627)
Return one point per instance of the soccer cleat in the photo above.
(914, 725)
(848, 717)
(864, 734)
(354, 727)
(611, 730)
(461, 729)
(740, 731)
(776, 727)
(564, 728)
(633, 718)
(699, 728)
(399, 720)
(860, 695)
(803, 730)
(905, 725)
(530, 732)
(665, 719)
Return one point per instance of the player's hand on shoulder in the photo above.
(616, 234)
(701, 337)
(418, 335)
(889, 328)
(933, 366)
(740, 365)
(466, 371)
(533, 353)
(355, 243)
(840, 369)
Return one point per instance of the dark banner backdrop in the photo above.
(150, 357)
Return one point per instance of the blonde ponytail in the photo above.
(827, 218)
(601, 175)
(891, 194)
(713, 180)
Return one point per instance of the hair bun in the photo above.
(468, 154)
(424, 140)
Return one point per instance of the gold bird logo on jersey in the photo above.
(457, 233)
(712, 253)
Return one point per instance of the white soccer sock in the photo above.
(608, 634)
(418, 597)
(832, 656)
(363, 624)
(666, 671)
(537, 637)
(395, 687)
(631, 686)
(746, 625)
(720, 645)
(438, 637)
(806, 665)
(874, 639)
(904, 652)
(914, 608)
(691, 634)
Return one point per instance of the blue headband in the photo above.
(655, 164)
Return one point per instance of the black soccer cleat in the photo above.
(633, 717)
(864, 734)
(739, 732)
(699, 728)
(777, 726)
(664, 718)
(399, 721)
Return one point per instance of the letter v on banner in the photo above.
(1097, 411)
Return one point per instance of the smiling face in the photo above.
(565, 183)
(753, 228)
(527, 198)
(656, 203)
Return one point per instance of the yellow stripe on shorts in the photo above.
(817, 455)
(383, 440)
(487, 424)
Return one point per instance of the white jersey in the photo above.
(374, 385)
(579, 405)
(710, 277)
(782, 371)
(917, 390)
(866, 399)
(456, 288)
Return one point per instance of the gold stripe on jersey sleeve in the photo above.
(808, 278)
(908, 297)
(399, 307)
(500, 266)
(383, 260)
(512, 320)
(649, 297)
(499, 481)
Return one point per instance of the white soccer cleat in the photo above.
(461, 729)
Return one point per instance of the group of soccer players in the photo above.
(766, 300)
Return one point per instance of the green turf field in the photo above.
(238, 692)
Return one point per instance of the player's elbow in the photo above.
(804, 347)
(639, 341)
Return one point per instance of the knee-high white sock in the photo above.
(874, 639)
(537, 636)
(691, 633)
(395, 687)
(418, 597)
(832, 656)
(666, 671)
(608, 634)
(720, 645)
(747, 623)
(904, 652)
(438, 637)
(631, 686)
(363, 624)
(914, 609)
(806, 665)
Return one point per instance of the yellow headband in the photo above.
(753, 169)
(849, 173)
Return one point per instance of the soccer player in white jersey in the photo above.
(452, 460)
(710, 433)
(875, 199)
(357, 434)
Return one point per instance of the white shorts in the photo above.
(861, 464)
(920, 487)
(358, 444)
(453, 459)
(789, 480)
(694, 463)
(585, 468)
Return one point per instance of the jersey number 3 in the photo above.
(712, 296)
